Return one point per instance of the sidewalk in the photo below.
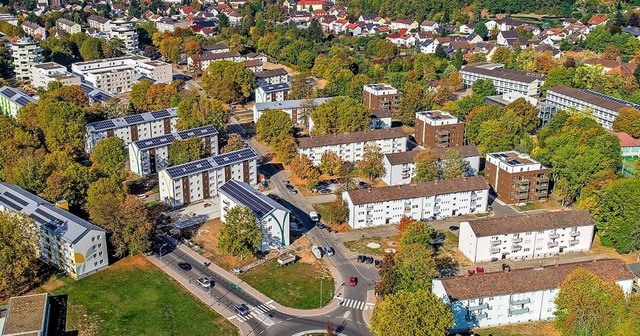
(366, 314)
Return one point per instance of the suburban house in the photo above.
(271, 77)
(202, 62)
(598, 20)
(34, 30)
(504, 80)
(68, 26)
(516, 177)
(437, 128)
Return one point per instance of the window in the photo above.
(93, 239)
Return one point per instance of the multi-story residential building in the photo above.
(545, 110)
(66, 241)
(504, 80)
(34, 30)
(194, 181)
(519, 295)
(95, 95)
(297, 110)
(44, 73)
(350, 146)
(25, 53)
(9, 18)
(271, 215)
(68, 26)
(630, 148)
(380, 118)
(523, 237)
(604, 108)
(202, 62)
(26, 315)
(12, 100)
(147, 157)
(381, 96)
(133, 128)
(271, 77)
(272, 92)
(516, 177)
(420, 201)
(117, 74)
(400, 168)
(123, 30)
(437, 128)
(99, 23)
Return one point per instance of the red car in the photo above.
(353, 281)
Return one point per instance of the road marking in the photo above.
(268, 302)
(231, 317)
(346, 314)
(289, 319)
(354, 304)
(358, 322)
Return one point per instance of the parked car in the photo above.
(378, 262)
(314, 216)
(204, 282)
(369, 260)
(363, 185)
(330, 250)
(185, 266)
(454, 228)
(361, 258)
(242, 309)
(286, 182)
(325, 191)
(141, 196)
(353, 281)
(291, 189)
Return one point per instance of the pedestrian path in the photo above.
(355, 304)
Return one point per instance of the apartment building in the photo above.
(272, 92)
(26, 315)
(44, 73)
(25, 53)
(124, 30)
(271, 215)
(504, 80)
(400, 168)
(99, 23)
(95, 95)
(630, 149)
(271, 77)
(420, 201)
(133, 128)
(194, 181)
(438, 129)
(34, 30)
(523, 237)
(12, 100)
(117, 74)
(603, 108)
(519, 295)
(202, 62)
(148, 156)
(381, 96)
(68, 26)
(66, 241)
(297, 110)
(516, 177)
(350, 146)
(545, 110)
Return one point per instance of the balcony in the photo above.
(524, 182)
(522, 196)
(518, 311)
(573, 242)
(481, 316)
(574, 233)
(369, 215)
(543, 180)
(552, 244)
(520, 302)
(479, 307)
(554, 235)
(496, 242)
(523, 188)
(516, 240)
(516, 248)
(494, 250)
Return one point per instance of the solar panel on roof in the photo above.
(100, 125)
(136, 118)
(614, 99)
(247, 197)
(236, 156)
(16, 199)
(23, 101)
(45, 215)
(160, 114)
(10, 204)
(38, 219)
(189, 168)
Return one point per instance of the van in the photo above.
(314, 216)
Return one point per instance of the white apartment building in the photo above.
(117, 74)
(520, 295)
(25, 53)
(99, 23)
(294, 108)
(68, 26)
(272, 217)
(66, 241)
(95, 95)
(123, 30)
(148, 156)
(194, 181)
(270, 77)
(504, 80)
(12, 100)
(531, 236)
(34, 30)
(350, 146)
(44, 73)
(272, 92)
(133, 128)
(420, 201)
(400, 168)
(603, 108)
(202, 62)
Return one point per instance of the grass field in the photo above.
(295, 286)
(133, 297)
(543, 328)
(360, 246)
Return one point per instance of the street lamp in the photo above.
(320, 292)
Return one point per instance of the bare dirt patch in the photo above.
(207, 236)
(521, 329)
(598, 249)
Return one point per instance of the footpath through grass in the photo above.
(294, 286)
(133, 297)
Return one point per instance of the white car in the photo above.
(141, 196)
(314, 216)
(204, 282)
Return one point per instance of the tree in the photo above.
(102, 197)
(426, 166)
(628, 121)
(527, 113)
(275, 13)
(415, 267)
(109, 158)
(196, 111)
(481, 30)
(228, 81)
(416, 233)
(132, 229)
(302, 166)
(240, 233)
(139, 95)
(418, 313)
(454, 164)
(19, 241)
(415, 99)
(183, 151)
(503, 55)
(371, 165)
(586, 305)
(170, 48)
(286, 149)
(440, 52)
(331, 163)
(192, 48)
(314, 32)
(234, 143)
(273, 126)
(483, 87)
(91, 49)
(340, 115)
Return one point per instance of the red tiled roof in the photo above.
(626, 140)
(597, 19)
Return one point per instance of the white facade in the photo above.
(44, 73)
(540, 235)
(133, 128)
(99, 23)
(198, 180)
(504, 80)
(67, 242)
(33, 30)
(25, 53)
(272, 217)
(273, 93)
(350, 146)
(12, 100)
(123, 30)
(421, 201)
(294, 108)
(68, 26)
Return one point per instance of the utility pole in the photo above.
(320, 291)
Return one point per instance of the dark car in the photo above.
(369, 260)
(291, 189)
(242, 309)
(378, 262)
(185, 266)
(363, 185)
(454, 228)
(330, 251)
(325, 191)
(361, 258)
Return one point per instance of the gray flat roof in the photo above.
(242, 193)
(168, 139)
(17, 96)
(210, 163)
(275, 87)
(93, 93)
(289, 104)
(101, 126)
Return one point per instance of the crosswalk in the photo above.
(255, 311)
(355, 304)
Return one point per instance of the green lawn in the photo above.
(360, 246)
(528, 207)
(295, 286)
(133, 297)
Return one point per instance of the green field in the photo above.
(133, 297)
(295, 286)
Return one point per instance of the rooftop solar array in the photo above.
(513, 158)
(276, 87)
(17, 96)
(134, 119)
(190, 168)
(235, 156)
(244, 194)
(100, 126)
(160, 114)
(95, 94)
(613, 99)
(166, 140)
(211, 163)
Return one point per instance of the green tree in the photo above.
(417, 232)
(340, 115)
(240, 233)
(183, 151)
(331, 163)
(70, 184)
(196, 111)
(314, 32)
(481, 30)
(503, 55)
(483, 87)
(102, 197)
(275, 13)
(426, 166)
(527, 114)
(131, 230)
(302, 166)
(415, 267)
(558, 75)
(109, 158)
(418, 313)
(628, 121)
(139, 95)
(273, 126)
(234, 143)
(415, 99)
(454, 164)
(170, 48)
(228, 81)
(371, 165)
(91, 49)
(19, 241)
(286, 149)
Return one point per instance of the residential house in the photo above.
(272, 76)
(25, 53)
(381, 96)
(437, 128)
(297, 110)
(34, 30)
(408, 24)
(610, 67)
(598, 20)
(300, 17)
(467, 28)
(99, 23)
(429, 26)
(272, 92)
(44, 73)
(68, 26)
(310, 5)
(516, 177)
(202, 62)
(429, 46)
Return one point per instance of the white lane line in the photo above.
(346, 314)
(361, 305)
(268, 302)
